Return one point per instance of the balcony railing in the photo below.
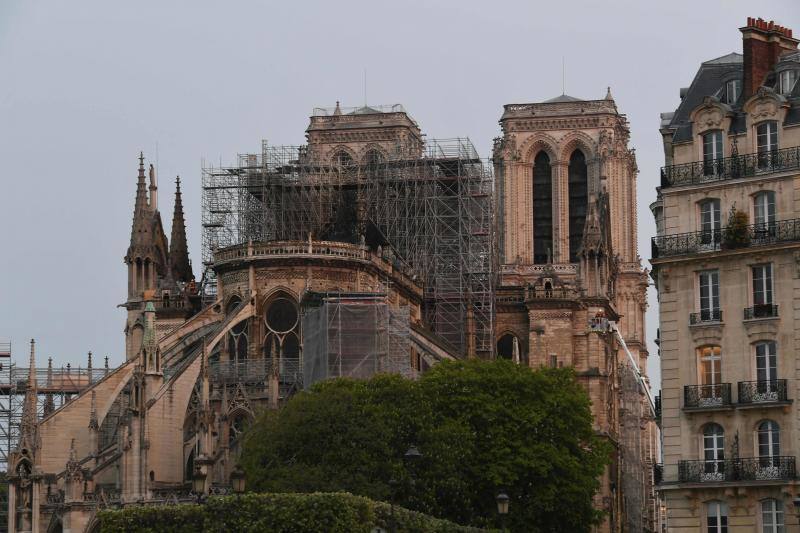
(695, 242)
(706, 396)
(755, 392)
(729, 168)
(706, 315)
(742, 469)
(761, 311)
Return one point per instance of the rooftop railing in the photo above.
(729, 168)
(697, 242)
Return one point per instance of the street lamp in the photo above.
(502, 500)
(199, 483)
(237, 480)
(411, 458)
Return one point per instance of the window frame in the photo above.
(766, 143)
(720, 516)
(711, 354)
(712, 160)
(777, 514)
(762, 284)
(768, 439)
(768, 370)
(713, 298)
(734, 86)
(790, 76)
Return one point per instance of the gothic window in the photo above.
(237, 342)
(342, 160)
(716, 517)
(578, 199)
(237, 428)
(233, 303)
(542, 209)
(282, 340)
(772, 516)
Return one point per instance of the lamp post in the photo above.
(237, 480)
(199, 484)
(502, 500)
(410, 460)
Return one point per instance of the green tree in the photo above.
(481, 427)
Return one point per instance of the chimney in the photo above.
(762, 44)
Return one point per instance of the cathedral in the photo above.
(369, 249)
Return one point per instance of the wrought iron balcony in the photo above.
(707, 396)
(761, 311)
(741, 469)
(695, 242)
(706, 315)
(729, 168)
(756, 392)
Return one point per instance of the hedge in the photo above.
(284, 513)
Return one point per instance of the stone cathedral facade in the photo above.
(198, 370)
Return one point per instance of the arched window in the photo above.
(714, 452)
(542, 209)
(342, 160)
(236, 429)
(237, 342)
(772, 516)
(282, 340)
(769, 443)
(717, 517)
(508, 347)
(578, 198)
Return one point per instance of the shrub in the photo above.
(282, 513)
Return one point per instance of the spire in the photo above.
(338, 110)
(27, 429)
(178, 249)
(608, 94)
(141, 187)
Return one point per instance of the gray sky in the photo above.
(86, 85)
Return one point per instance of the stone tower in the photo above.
(565, 216)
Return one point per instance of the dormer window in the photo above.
(786, 81)
(732, 91)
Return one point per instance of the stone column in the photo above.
(560, 212)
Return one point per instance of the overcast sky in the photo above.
(86, 85)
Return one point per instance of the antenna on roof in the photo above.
(563, 77)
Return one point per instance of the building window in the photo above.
(712, 153)
(710, 224)
(714, 452)
(762, 287)
(767, 143)
(766, 362)
(764, 208)
(710, 361)
(772, 516)
(709, 296)
(717, 517)
(542, 209)
(769, 443)
(732, 91)
(786, 81)
(282, 339)
(237, 342)
(578, 199)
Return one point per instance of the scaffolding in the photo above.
(354, 335)
(431, 211)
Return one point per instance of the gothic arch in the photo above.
(371, 147)
(338, 149)
(537, 143)
(577, 140)
(274, 293)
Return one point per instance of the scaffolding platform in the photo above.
(433, 211)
